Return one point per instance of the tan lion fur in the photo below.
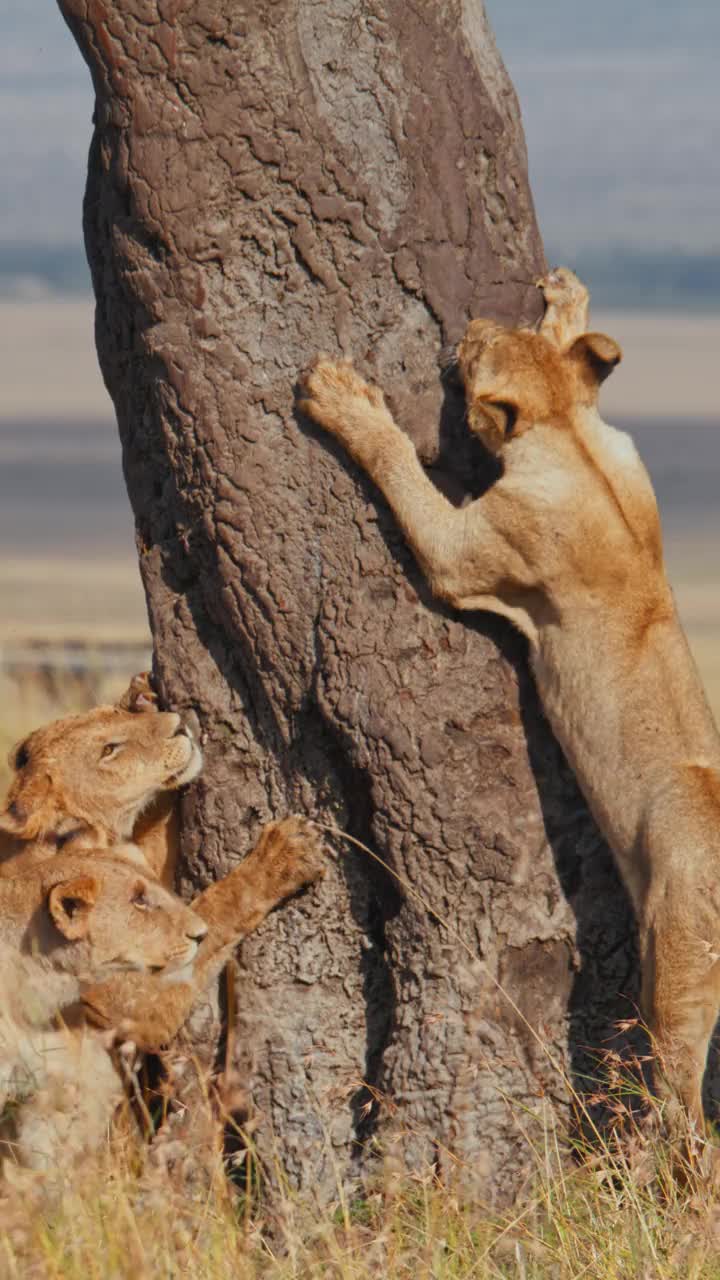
(67, 795)
(288, 856)
(65, 923)
(126, 959)
(101, 778)
(567, 545)
(71, 799)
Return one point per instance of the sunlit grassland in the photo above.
(612, 1212)
(66, 598)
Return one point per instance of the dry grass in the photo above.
(619, 1216)
(619, 1204)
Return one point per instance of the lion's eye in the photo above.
(140, 898)
(110, 749)
(22, 757)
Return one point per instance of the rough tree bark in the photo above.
(270, 178)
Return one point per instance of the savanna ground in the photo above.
(71, 632)
(612, 1208)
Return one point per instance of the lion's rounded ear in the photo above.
(492, 420)
(19, 756)
(31, 809)
(70, 904)
(13, 819)
(596, 356)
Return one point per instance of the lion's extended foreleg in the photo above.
(462, 553)
(150, 1011)
(288, 856)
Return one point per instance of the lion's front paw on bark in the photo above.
(563, 288)
(566, 302)
(293, 855)
(330, 390)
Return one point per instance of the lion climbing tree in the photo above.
(270, 178)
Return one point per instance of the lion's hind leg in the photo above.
(681, 995)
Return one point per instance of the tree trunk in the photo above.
(270, 178)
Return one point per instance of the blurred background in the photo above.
(620, 107)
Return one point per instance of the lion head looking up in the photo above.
(92, 775)
(515, 380)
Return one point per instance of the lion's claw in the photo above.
(140, 694)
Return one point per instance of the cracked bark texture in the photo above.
(270, 178)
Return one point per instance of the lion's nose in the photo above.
(187, 727)
(168, 723)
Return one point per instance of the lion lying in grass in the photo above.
(66, 922)
(567, 545)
